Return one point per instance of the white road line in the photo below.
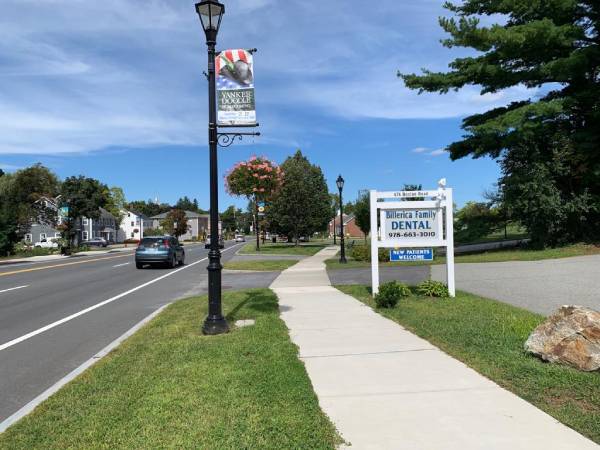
(96, 306)
(29, 407)
(13, 289)
(121, 265)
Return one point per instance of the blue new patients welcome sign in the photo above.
(419, 254)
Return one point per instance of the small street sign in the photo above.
(418, 254)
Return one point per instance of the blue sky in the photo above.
(114, 90)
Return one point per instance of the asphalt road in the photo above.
(539, 286)
(55, 316)
(411, 275)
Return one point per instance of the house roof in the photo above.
(188, 215)
(139, 214)
(347, 219)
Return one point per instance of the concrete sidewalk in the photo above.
(385, 388)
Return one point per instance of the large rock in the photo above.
(570, 336)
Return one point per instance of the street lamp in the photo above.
(340, 186)
(211, 13)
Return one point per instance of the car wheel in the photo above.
(139, 265)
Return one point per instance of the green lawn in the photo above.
(303, 249)
(489, 256)
(260, 265)
(489, 336)
(170, 387)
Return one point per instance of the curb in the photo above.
(29, 407)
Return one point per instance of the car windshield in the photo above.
(151, 242)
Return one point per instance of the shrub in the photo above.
(361, 252)
(430, 288)
(390, 293)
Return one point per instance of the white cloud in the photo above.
(79, 76)
(438, 152)
(419, 150)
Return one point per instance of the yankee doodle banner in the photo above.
(235, 88)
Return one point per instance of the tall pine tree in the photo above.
(548, 146)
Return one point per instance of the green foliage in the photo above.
(186, 204)
(431, 288)
(84, 197)
(362, 252)
(175, 223)
(148, 208)
(303, 205)
(153, 232)
(230, 218)
(22, 203)
(552, 138)
(474, 221)
(362, 212)
(537, 182)
(115, 203)
(24, 250)
(390, 294)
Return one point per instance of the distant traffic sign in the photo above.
(418, 254)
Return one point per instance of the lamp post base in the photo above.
(343, 260)
(215, 325)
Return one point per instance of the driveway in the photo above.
(411, 275)
(540, 286)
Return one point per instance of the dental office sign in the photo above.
(410, 223)
(235, 88)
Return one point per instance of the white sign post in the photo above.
(416, 223)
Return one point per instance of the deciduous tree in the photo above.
(81, 197)
(362, 212)
(302, 206)
(257, 179)
(175, 223)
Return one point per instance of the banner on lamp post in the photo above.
(235, 88)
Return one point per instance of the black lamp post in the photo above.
(340, 186)
(211, 13)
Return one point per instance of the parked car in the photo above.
(221, 242)
(303, 239)
(47, 243)
(95, 242)
(159, 250)
(240, 238)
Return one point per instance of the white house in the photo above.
(133, 226)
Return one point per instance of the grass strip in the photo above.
(282, 249)
(484, 257)
(170, 387)
(260, 265)
(488, 336)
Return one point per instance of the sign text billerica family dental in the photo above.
(411, 223)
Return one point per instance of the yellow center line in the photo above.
(34, 269)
